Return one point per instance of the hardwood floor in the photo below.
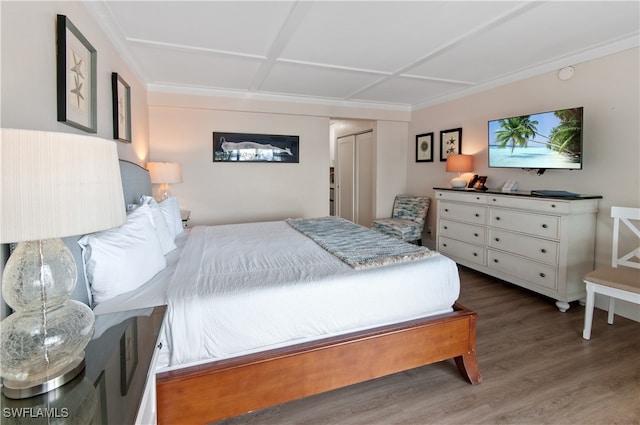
(536, 369)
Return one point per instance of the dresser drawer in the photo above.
(462, 231)
(530, 204)
(462, 250)
(539, 274)
(537, 249)
(470, 197)
(542, 225)
(475, 214)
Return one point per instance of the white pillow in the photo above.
(171, 211)
(122, 259)
(165, 235)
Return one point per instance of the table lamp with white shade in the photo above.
(54, 185)
(460, 164)
(164, 174)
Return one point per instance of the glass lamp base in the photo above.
(19, 389)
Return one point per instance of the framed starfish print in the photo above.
(121, 108)
(76, 77)
(450, 143)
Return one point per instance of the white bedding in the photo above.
(236, 289)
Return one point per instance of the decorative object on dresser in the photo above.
(121, 94)
(450, 143)
(622, 279)
(76, 74)
(424, 147)
(53, 185)
(164, 174)
(543, 244)
(407, 219)
(459, 163)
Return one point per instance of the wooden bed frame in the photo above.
(226, 388)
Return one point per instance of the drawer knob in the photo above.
(444, 244)
(544, 226)
(475, 254)
(498, 218)
(445, 227)
(495, 260)
(553, 205)
(478, 198)
(446, 209)
(544, 251)
(542, 275)
(495, 200)
(160, 346)
(497, 239)
(477, 215)
(475, 234)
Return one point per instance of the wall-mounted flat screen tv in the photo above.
(546, 140)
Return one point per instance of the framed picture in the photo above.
(76, 77)
(424, 147)
(246, 147)
(450, 143)
(128, 356)
(121, 108)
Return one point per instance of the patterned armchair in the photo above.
(407, 219)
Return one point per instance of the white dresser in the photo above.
(542, 244)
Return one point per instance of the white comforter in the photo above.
(243, 288)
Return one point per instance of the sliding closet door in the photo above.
(355, 177)
(346, 177)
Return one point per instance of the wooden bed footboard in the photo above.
(226, 388)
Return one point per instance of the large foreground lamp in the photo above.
(165, 173)
(53, 185)
(460, 164)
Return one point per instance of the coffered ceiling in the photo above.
(391, 54)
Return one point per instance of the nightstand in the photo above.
(118, 383)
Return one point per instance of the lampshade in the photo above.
(165, 172)
(58, 184)
(53, 185)
(460, 163)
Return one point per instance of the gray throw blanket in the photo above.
(356, 245)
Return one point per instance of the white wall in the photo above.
(391, 165)
(609, 90)
(215, 193)
(28, 90)
(28, 77)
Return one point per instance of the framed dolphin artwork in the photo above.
(247, 147)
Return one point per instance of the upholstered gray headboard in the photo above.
(135, 183)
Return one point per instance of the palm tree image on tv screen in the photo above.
(546, 140)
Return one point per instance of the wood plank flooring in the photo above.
(536, 367)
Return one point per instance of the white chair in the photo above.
(615, 282)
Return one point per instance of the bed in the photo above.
(264, 313)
